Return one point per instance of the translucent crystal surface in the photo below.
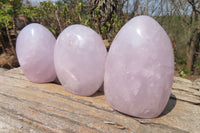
(35, 48)
(139, 69)
(80, 59)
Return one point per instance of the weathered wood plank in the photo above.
(27, 107)
(185, 90)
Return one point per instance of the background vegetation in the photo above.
(180, 18)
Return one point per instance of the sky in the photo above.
(40, 0)
(37, 1)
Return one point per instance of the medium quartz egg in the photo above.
(79, 58)
(139, 69)
(35, 50)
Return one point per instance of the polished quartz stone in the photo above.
(35, 48)
(139, 69)
(80, 60)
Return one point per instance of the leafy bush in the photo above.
(181, 60)
(183, 71)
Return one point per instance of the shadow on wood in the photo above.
(170, 105)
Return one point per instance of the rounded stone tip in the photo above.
(35, 50)
(80, 60)
(139, 69)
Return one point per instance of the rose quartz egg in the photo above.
(80, 60)
(139, 69)
(35, 48)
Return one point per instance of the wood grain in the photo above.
(31, 107)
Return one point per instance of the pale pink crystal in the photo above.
(35, 47)
(79, 60)
(139, 69)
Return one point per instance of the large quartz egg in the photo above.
(35, 48)
(80, 60)
(139, 69)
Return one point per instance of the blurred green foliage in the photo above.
(56, 16)
(183, 71)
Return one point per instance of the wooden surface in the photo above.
(31, 107)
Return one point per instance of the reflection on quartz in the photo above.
(139, 32)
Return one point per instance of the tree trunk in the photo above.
(191, 52)
(14, 26)
(194, 36)
(146, 7)
(197, 56)
(120, 7)
(2, 42)
(10, 40)
(136, 6)
(58, 20)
